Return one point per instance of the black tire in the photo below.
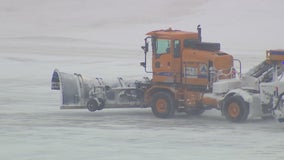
(235, 109)
(163, 105)
(92, 105)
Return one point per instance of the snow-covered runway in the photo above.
(103, 39)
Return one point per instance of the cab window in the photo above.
(176, 48)
(162, 46)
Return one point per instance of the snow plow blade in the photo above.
(78, 92)
(72, 89)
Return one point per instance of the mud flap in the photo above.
(72, 89)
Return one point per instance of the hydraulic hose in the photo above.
(278, 101)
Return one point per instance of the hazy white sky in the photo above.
(238, 25)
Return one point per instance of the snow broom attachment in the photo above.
(74, 89)
(78, 92)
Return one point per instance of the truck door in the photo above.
(177, 60)
(162, 63)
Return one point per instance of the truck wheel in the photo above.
(235, 109)
(92, 105)
(163, 105)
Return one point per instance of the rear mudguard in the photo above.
(76, 91)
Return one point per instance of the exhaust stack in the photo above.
(199, 32)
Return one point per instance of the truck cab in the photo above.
(181, 57)
(167, 48)
(184, 68)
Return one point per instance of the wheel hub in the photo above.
(92, 106)
(234, 110)
(161, 105)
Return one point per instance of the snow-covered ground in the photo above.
(103, 39)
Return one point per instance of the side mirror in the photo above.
(146, 47)
(143, 64)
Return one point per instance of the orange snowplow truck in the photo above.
(183, 69)
(188, 75)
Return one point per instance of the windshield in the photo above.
(162, 46)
